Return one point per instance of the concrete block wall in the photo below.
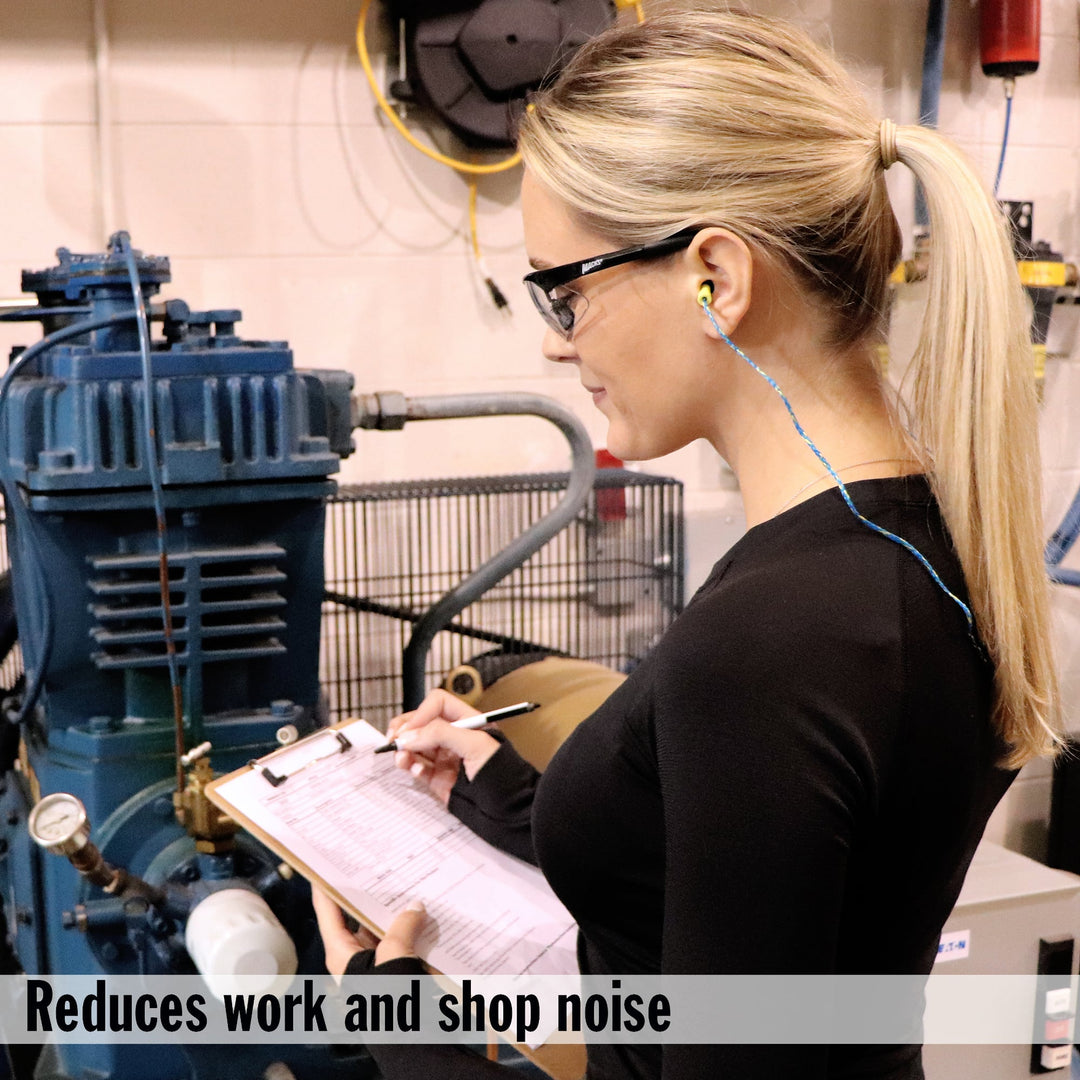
(246, 146)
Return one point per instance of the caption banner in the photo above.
(997, 1009)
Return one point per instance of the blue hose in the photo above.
(1060, 576)
(1004, 142)
(930, 93)
(1057, 547)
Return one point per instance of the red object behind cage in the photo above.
(610, 502)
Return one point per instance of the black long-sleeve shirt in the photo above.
(794, 781)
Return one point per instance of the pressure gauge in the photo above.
(58, 823)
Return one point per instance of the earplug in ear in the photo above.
(705, 293)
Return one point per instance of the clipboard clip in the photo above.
(277, 779)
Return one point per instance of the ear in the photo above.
(723, 258)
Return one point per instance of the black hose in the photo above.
(20, 516)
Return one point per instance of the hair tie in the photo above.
(887, 143)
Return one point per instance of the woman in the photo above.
(795, 780)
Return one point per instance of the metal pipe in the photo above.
(392, 411)
(115, 880)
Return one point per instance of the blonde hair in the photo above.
(725, 117)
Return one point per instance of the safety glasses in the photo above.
(561, 307)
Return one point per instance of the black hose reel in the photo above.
(474, 64)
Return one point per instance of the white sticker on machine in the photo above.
(955, 945)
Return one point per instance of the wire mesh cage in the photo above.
(603, 589)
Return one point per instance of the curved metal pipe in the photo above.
(390, 411)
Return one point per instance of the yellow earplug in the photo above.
(704, 295)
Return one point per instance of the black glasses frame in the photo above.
(541, 282)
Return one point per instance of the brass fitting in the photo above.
(213, 830)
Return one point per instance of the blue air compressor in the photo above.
(244, 446)
(165, 526)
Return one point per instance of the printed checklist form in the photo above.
(375, 838)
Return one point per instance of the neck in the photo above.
(843, 409)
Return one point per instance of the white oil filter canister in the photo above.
(238, 945)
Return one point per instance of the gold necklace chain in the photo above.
(846, 468)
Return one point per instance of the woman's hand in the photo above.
(341, 944)
(432, 750)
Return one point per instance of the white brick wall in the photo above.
(247, 148)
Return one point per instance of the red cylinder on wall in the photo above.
(1009, 36)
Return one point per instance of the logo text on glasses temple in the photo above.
(590, 265)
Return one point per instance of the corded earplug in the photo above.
(705, 294)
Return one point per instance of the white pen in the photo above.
(470, 723)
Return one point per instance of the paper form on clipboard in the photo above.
(346, 818)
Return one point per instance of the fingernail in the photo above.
(405, 738)
(417, 769)
(415, 905)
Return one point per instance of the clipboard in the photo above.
(275, 769)
(292, 775)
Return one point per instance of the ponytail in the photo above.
(972, 397)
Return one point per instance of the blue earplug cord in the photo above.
(704, 297)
